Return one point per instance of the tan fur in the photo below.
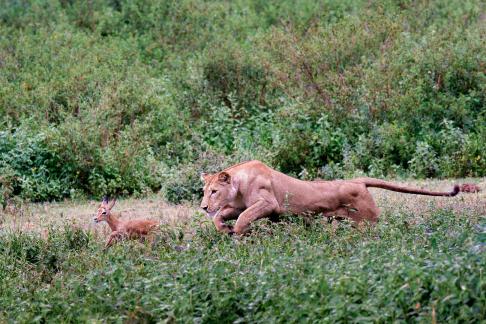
(123, 229)
(469, 187)
(251, 190)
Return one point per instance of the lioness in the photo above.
(251, 190)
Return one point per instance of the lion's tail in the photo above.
(377, 183)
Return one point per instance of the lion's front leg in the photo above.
(256, 211)
(226, 214)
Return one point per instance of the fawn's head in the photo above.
(104, 211)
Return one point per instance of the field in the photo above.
(423, 262)
(135, 98)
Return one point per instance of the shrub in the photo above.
(424, 162)
(183, 183)
(29, 169)
(112, 97)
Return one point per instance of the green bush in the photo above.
(184, 183)
(119, 97)
(29, 169)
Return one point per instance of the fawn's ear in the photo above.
(112, 203)
(105, 200)
(224, 177)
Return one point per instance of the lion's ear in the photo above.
(224, 177)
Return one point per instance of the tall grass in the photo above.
(406, 268)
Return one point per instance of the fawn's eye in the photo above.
(103, 213)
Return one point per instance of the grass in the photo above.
(423, 262)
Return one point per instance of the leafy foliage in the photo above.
(430, 270)
(118, 97)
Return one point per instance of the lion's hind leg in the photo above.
(363, 208)
(335, 217)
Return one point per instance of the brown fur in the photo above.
(251, 190)
(123, 229)
(470, 187)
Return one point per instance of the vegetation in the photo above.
(408, 268)
(128, 97)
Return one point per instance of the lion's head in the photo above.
(219, 191)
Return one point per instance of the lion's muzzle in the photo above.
(213, 213)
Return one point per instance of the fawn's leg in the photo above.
(114, 236)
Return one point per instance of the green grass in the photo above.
(407, 268)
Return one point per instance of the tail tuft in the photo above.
(456, 190)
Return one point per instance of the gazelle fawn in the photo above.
(123, 229)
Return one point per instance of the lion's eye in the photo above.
(213, 192)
